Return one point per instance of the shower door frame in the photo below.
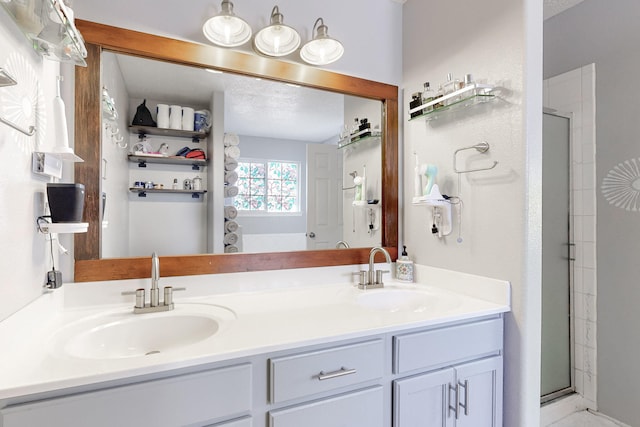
(571, 263)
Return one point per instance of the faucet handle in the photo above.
(362, 279)
(139, 293)
(379, 274)
(168, 294)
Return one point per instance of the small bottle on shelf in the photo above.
(427, 97)
(439, 94)
(175, 184)
(451, 86)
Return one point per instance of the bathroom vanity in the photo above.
(280, 356)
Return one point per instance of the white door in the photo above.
(480, 393)
(423, 400)
(324, 197)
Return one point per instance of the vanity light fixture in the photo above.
(322, 49)
(276, 39)
(226, 29)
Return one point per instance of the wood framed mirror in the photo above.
(98, 37)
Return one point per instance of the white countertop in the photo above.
(273, 311)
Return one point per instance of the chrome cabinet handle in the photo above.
(453, 408)
(335, 374)
(465, 406)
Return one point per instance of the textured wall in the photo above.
(500, 220)
(571, 42)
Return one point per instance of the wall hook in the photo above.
(481, 147)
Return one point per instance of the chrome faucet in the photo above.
(342, 243)
(154, 292)
(154, 304)
(372, 279)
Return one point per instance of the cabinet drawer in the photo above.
(446, 346)
(315, 372)
(192, 399)
(359, 409)
(244, 422)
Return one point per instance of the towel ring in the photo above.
(481, 147)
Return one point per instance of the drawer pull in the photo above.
(335, 374)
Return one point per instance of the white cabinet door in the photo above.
(468, 395)
(358, 409)
(423, 400)
(480, 393)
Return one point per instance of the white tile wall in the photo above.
(574, 92)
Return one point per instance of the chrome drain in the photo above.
(152, 352)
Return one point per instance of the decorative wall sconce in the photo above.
(226, 29)
(322, 49)
(276, 39)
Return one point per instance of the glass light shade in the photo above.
(226, 29)
(276, 39)
(322, 50)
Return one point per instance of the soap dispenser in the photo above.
(404, 267)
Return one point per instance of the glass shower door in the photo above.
(557, 334)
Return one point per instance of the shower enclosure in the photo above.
(557, 258)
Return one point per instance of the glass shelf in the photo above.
(46, 24)
(463, 98)
(356, 138)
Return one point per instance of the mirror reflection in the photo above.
(282, 171)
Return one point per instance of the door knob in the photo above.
(311, 235)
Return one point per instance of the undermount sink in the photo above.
(122, 334)
(405, 300)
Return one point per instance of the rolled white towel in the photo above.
(230, 239)
(231, 249)
(231, 177)
(230, 212)
(230, 164)
(230, 191)
(232, 151)
(231, 139)
(230, 226)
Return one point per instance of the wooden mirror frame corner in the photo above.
(99, 37)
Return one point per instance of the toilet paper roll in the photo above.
(162, 116)
(231, 249)
(232, 151)
(188, 118)
(175, 117)
(230, 212)
(230, 164)
(230, 226)
(230, 239)
(230, 191)
(231, 177)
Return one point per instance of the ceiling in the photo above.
(253, 107)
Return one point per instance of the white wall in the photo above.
(570, 42)
(24, 253)
(369, 30)
(116, 184)
(498, 41)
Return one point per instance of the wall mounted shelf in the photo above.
(357, 138)
(460, 99)
(49, 28)
(62, 227)
(142, 192)
(143, 159)
(150, 130)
